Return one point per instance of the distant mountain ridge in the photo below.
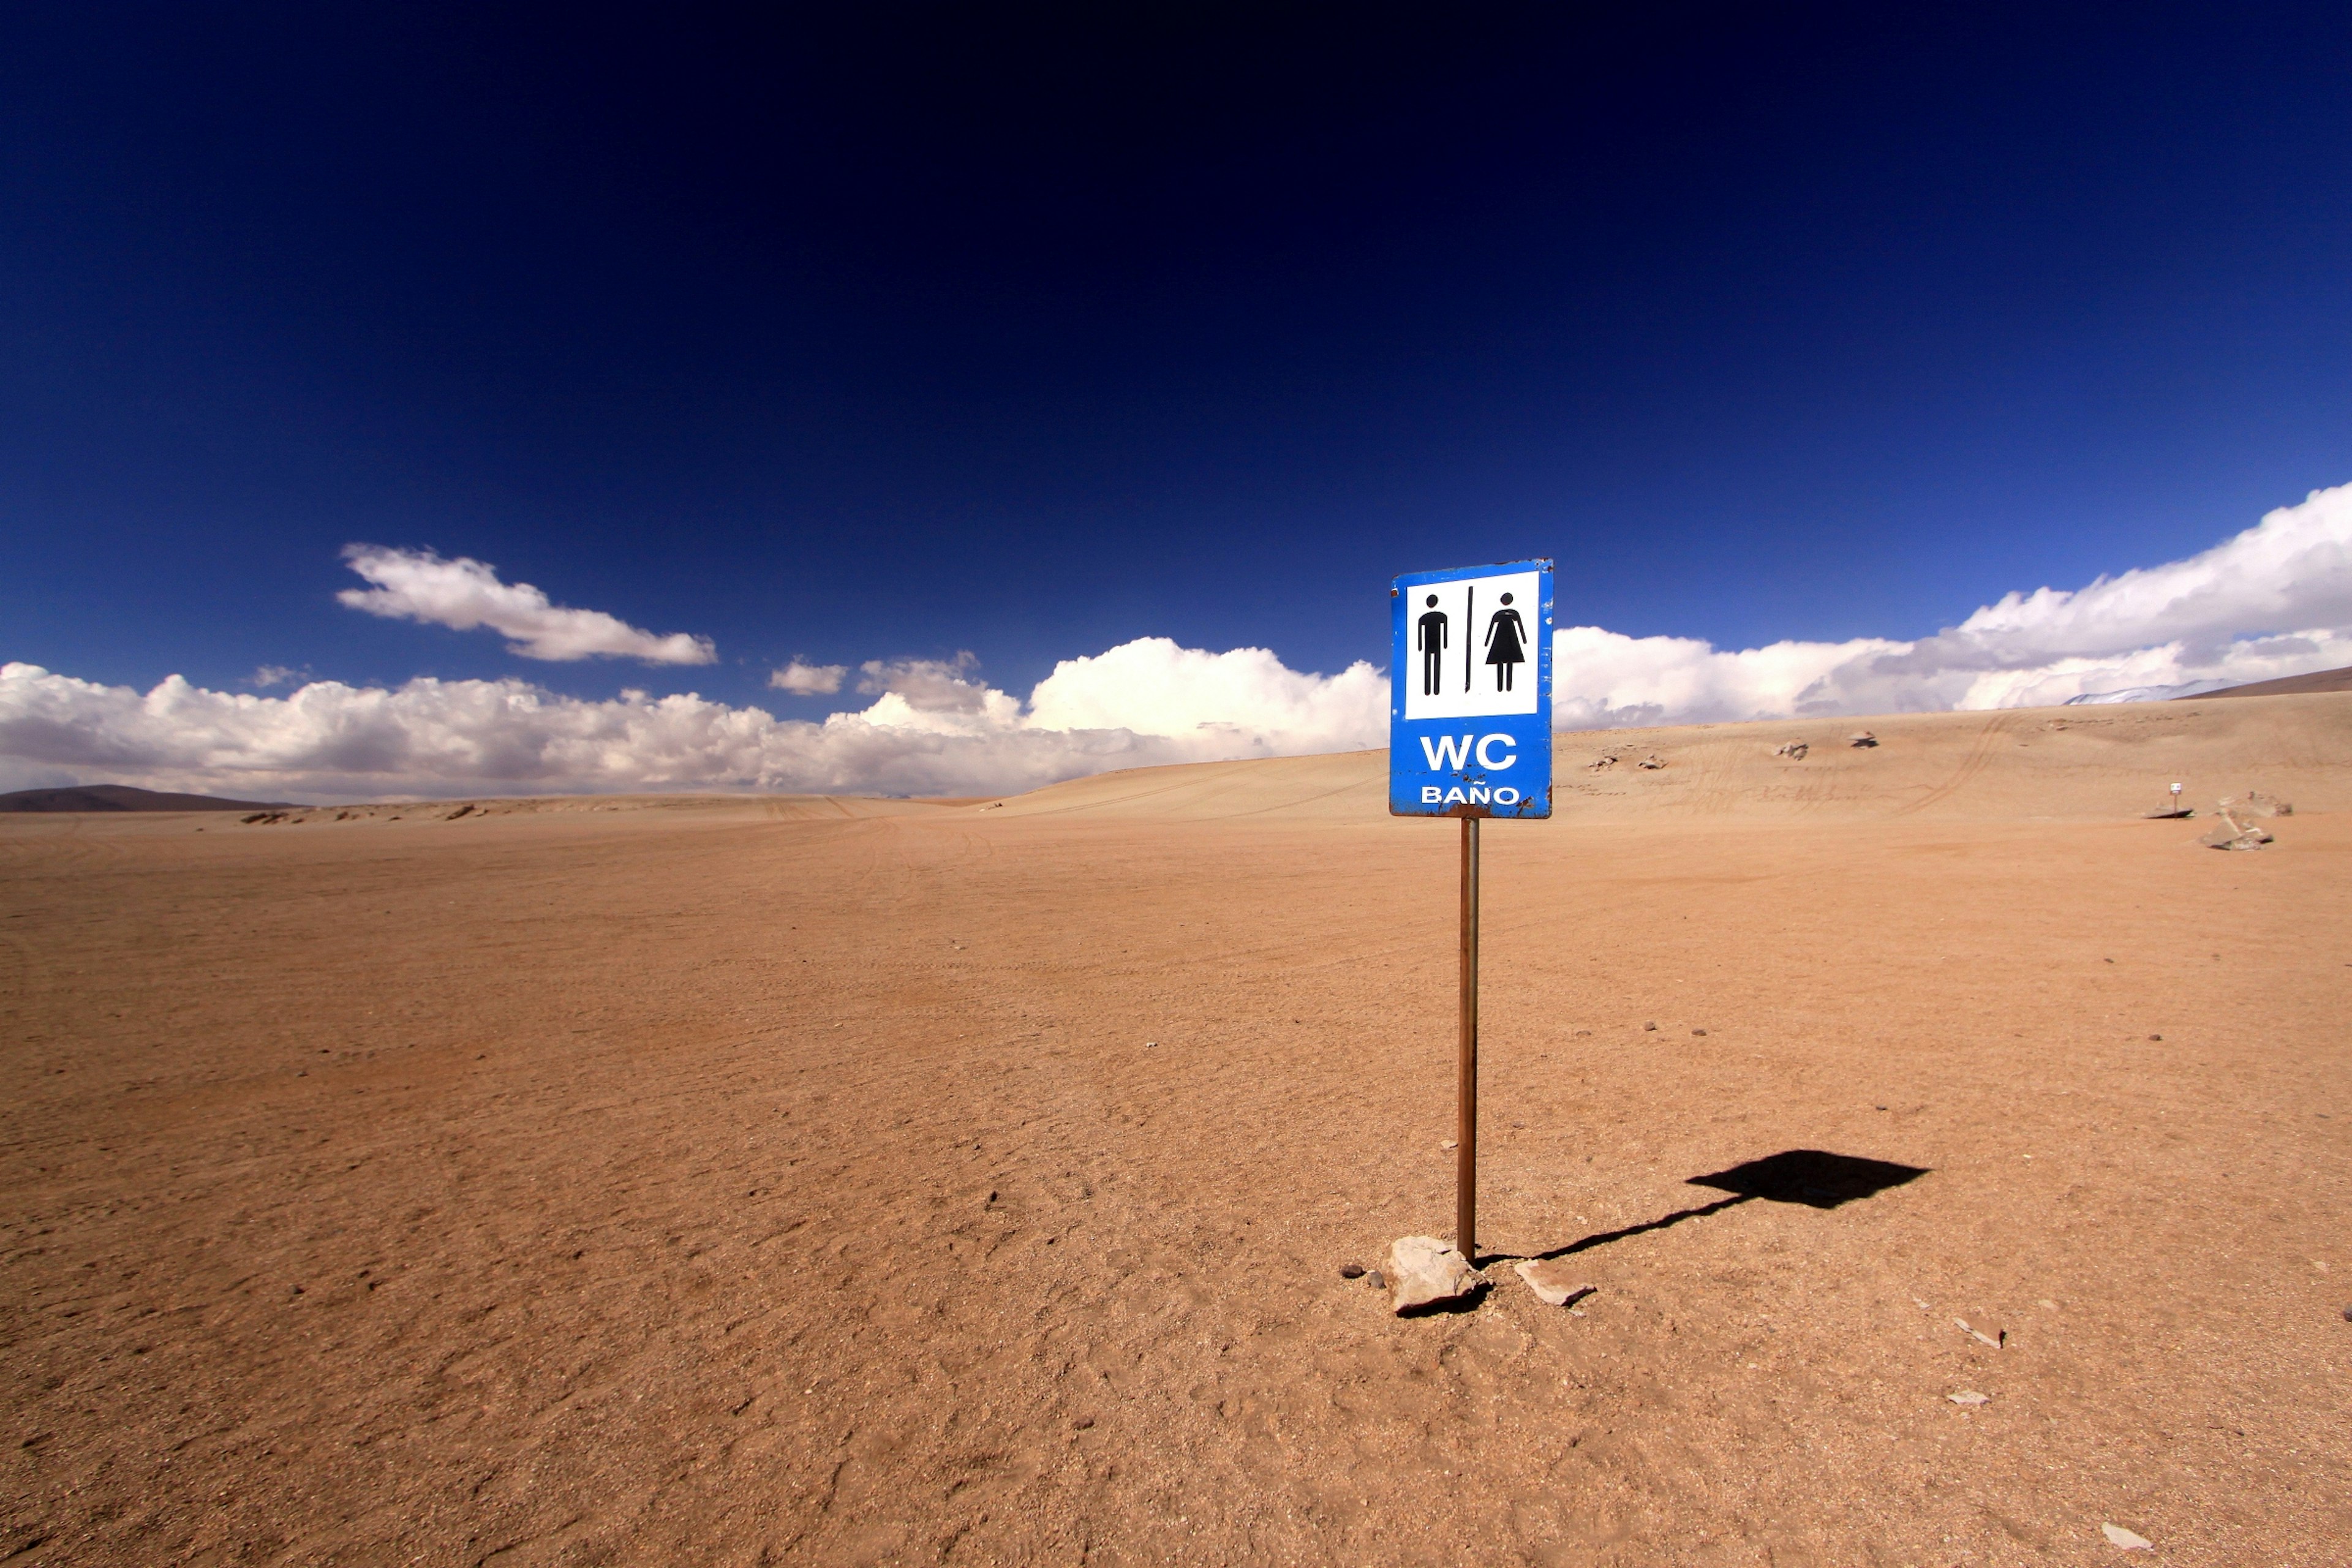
(2292, 685)
(125, 798)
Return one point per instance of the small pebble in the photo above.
(1151, 1044)
(1083, 1422)
(1699, 1032)
(1351, 1271)
(1650, 1025)
(2347, 1314)
(1377, 1281)
(2156, 1036)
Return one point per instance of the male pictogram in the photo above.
(1506, 636)
(1432, 646)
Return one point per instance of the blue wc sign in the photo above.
(1470, 692)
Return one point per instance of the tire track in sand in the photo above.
(1972, 763)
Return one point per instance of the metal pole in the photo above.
(1466, 1153)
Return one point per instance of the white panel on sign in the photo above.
(1473, 645)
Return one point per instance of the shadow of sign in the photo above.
(1813, 1177)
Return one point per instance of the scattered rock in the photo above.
(2236, 828)
(1652, 760)
(1652, 1025)
(1552, 1281)
(2118, 1536)
(1701, 1033)
(1970, 1396)
(2156, 1036)
(1603, 761)
(1151, 1044)
(2347, 1314)
(1377, 1281)
(1426, 1271)
(1863, 738)
(1980, 1339)
(1449, 1143)
(1793, 750)
(2229, 833)
(1083, 1422)
(1351, 1271)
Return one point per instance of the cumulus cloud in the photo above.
(935, 693)
(934, 728)
(808, 679)
(2275, 600)
(464, 594)
(1246, 695)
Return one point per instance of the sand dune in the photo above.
(828, 1182)
(2018, 764)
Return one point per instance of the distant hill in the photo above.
(2292, 685)
(124, 798)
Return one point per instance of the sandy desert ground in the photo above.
(840, 1182)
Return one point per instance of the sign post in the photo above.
(1472, 748)
(1466, 1074)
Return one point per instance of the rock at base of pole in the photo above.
(1423, 1271)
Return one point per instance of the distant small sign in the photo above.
(1470, 692)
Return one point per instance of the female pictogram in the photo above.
(1506, 636)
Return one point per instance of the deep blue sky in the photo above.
(897, 331)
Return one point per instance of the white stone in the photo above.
(2229, 833)
(2118, 1536)
(1423, 1269)
(1554, 1283)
